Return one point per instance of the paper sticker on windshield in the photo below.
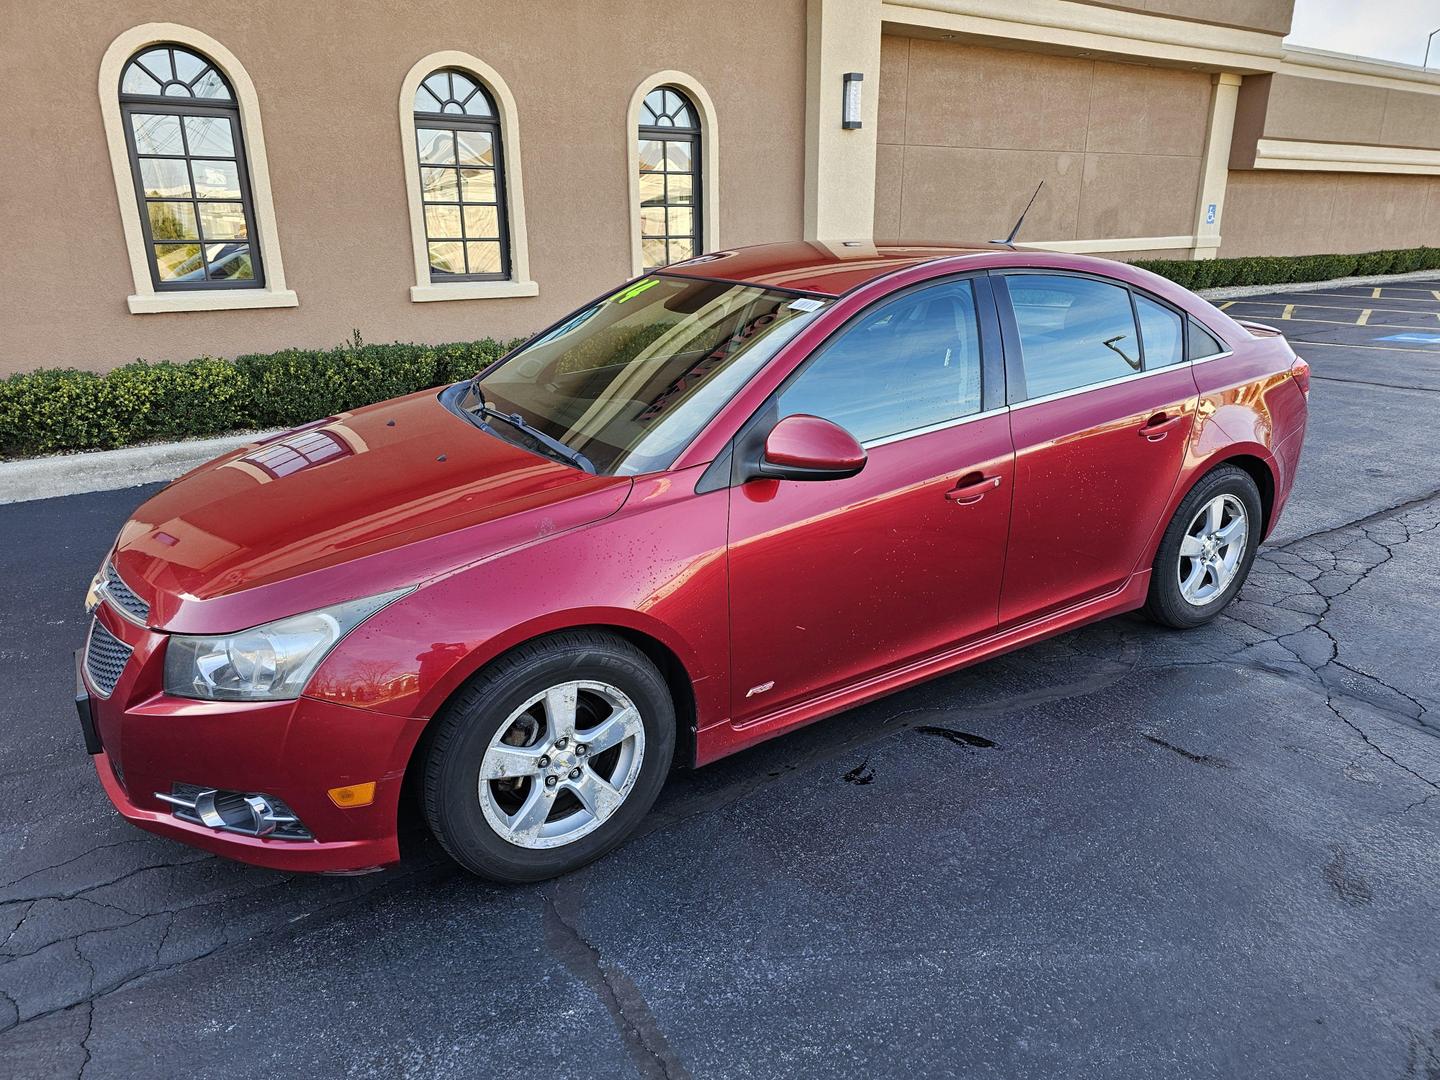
(805, 304)
(635, 290)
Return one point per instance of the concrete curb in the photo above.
(1235, 291)
(105, 470)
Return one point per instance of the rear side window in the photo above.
(909, 364)
(1202, 342)
(1073, 331)
(1162, 333)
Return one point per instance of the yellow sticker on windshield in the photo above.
(634, 290)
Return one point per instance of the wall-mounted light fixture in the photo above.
(850, 105)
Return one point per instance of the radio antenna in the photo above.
(1009, 241)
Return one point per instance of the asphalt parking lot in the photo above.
(1124, 852)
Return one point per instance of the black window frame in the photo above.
(695, 137)
(1014, 353)
(492, 127)
(132, 104)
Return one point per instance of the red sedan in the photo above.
(728, 499)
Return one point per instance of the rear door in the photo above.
(1102, 404)
(833, 581)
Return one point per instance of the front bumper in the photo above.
(295, 751)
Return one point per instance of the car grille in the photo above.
(105, 658)
(123, 597)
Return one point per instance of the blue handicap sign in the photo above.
(1419, 339)
(1210, 214)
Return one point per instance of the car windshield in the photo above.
(629, 381)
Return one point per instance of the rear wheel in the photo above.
(550, 757)
(1206, 552)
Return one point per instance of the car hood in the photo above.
(354, 505)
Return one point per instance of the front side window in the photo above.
(1074, 331)
(628, 382)
(187, 155)
(462, 185)
(908, 365)
(669, 178)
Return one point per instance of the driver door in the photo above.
(835, 581)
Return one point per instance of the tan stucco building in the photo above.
(210, 180)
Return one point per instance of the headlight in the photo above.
(266, 663)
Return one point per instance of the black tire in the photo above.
(1166, 604)
(470, 720)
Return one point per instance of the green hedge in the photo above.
(60, 409)
(1282, 269)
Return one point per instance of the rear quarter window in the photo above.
(1201, 343)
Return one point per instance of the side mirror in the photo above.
(805, 447)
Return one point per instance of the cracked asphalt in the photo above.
(1124, 852)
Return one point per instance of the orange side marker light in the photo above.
(353, 795)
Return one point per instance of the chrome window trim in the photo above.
(1213, 356)
(913, 433)
(1134, 376)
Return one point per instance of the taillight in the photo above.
(1300, 372)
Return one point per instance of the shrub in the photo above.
(60, 409)
(1282, 269)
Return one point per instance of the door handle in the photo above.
(1159, 425)
(971, 488)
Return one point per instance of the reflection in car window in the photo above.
(1073, 331)
(907, 365)
(630, 380)
(1161, 331)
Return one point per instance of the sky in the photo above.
(1386, 29)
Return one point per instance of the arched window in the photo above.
(187, 155)
(462, 179)
(670, 178)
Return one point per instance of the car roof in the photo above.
(827, 269)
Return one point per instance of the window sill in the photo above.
(472, 290)
(211, 300)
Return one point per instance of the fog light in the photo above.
(246, 813)
(353, 795)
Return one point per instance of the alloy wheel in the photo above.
(561, 764)
(1213, 549)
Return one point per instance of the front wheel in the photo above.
(1206, 552)
(550, 757)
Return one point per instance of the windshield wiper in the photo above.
(555, 446)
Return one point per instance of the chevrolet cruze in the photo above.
(727, 499)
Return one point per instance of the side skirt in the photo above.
(724, 738)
